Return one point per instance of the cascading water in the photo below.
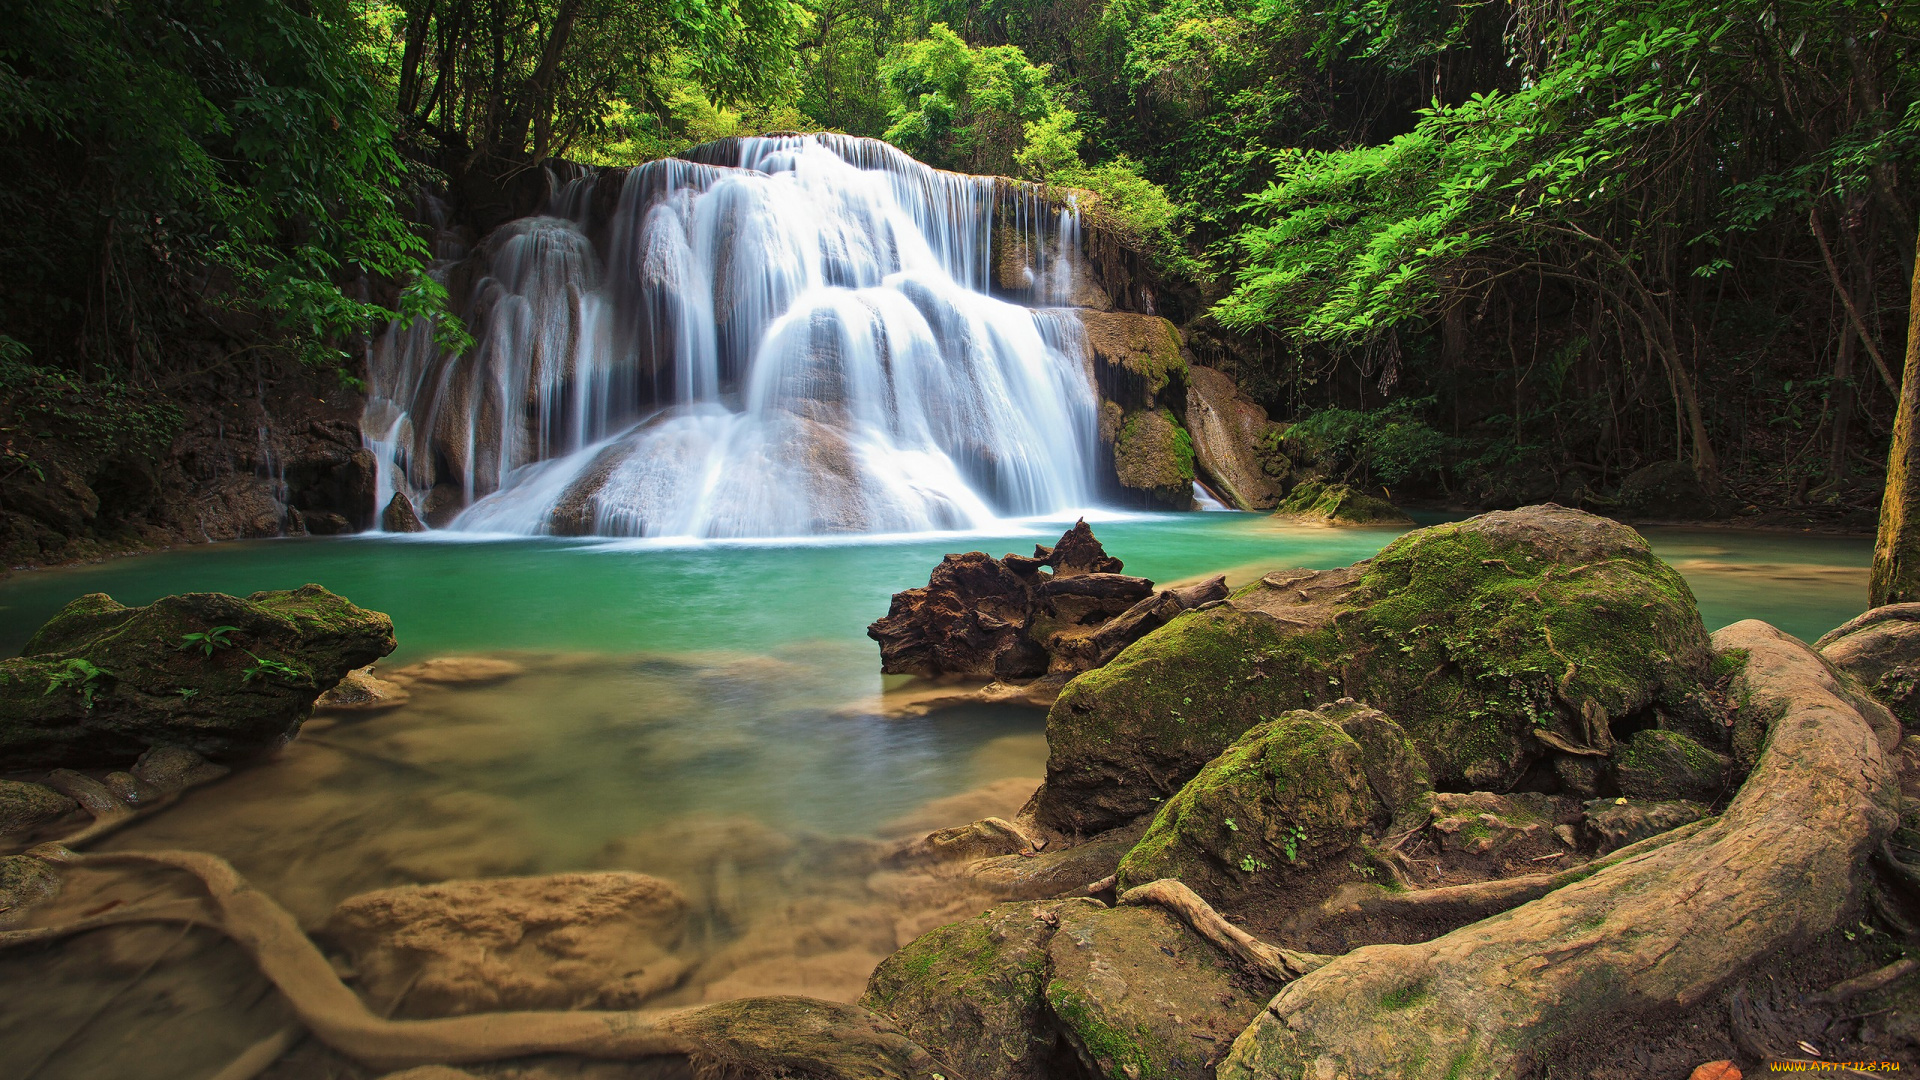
(786, 336)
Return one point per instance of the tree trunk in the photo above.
(1896, 553)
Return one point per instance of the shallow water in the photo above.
(711, 715)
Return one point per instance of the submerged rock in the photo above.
(563, 941)
(1881, 649)
(361, 690)
(1337, 504)
(26, 807)
(1494, 642)
(1229, 430)
(457, 671)
(1289, 796)
(222, 676)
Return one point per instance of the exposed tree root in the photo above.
(1280, 965)
(1877, 979)
(752, 1038)
(1480, 899)
(255, 1059)
(1656, 928)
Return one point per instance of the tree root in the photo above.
(1877, 979)
(755, 1037)
(1656, 928)
(1480, 899)
(1280, 965)
(257, 1058)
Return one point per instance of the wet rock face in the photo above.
(1005, 619)
(1495, 643)
(1882, 650)
(1228, 428)
(1291, 795)
(100, 683)
(600, 940)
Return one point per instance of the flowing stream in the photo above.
(709, 713)
(782, 336)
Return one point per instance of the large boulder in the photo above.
(1130, 992)
(1495, 642)
(564, 941)
(1291, 795)
(1665, 765)
(1882, 650)
(1153, 460)
(222, 676)
(1137, 360)
(1229, 429)
(1321, 503)
(974, 991)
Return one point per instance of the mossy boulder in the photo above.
(1153, 460)
(1289, 796)
(1137, 995)
(225, 677)
(1662, 765)
(1494, 642)
(1137, 359)
(974, 991)
(1881, 649)
(1615, 823)
(1319, 502)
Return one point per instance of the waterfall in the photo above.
(780, 336)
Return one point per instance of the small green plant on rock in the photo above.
(79, 675)
(1251, 865)
(208, 641)
(188, 693)
(1291, 845)
(262, 667)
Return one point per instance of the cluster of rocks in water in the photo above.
(1490, 788)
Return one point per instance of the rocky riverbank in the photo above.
(1472, 807)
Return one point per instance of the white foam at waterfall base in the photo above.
(800, 343)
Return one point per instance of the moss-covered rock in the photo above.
(25, 807)
(1139, 996)
(1137, 361)
(1492, 642)
(1153, 459)
(25, 882)
(222, 676)
(1661, 765)
(1337, 504)
(974, 992)
(1291, 795)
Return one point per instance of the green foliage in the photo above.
(263, 667)
(80, 676)
(969, 108)
(1137, 211)
(208, 641)
(105, 417)
(147, 148)
(1391, 443)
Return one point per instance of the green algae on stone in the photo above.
(216, 674)
(1153, 458)
(1337, 504)
(1662, 765)
(1289, 796)
(1137, 995)
(974, 991)
(1473, 636)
